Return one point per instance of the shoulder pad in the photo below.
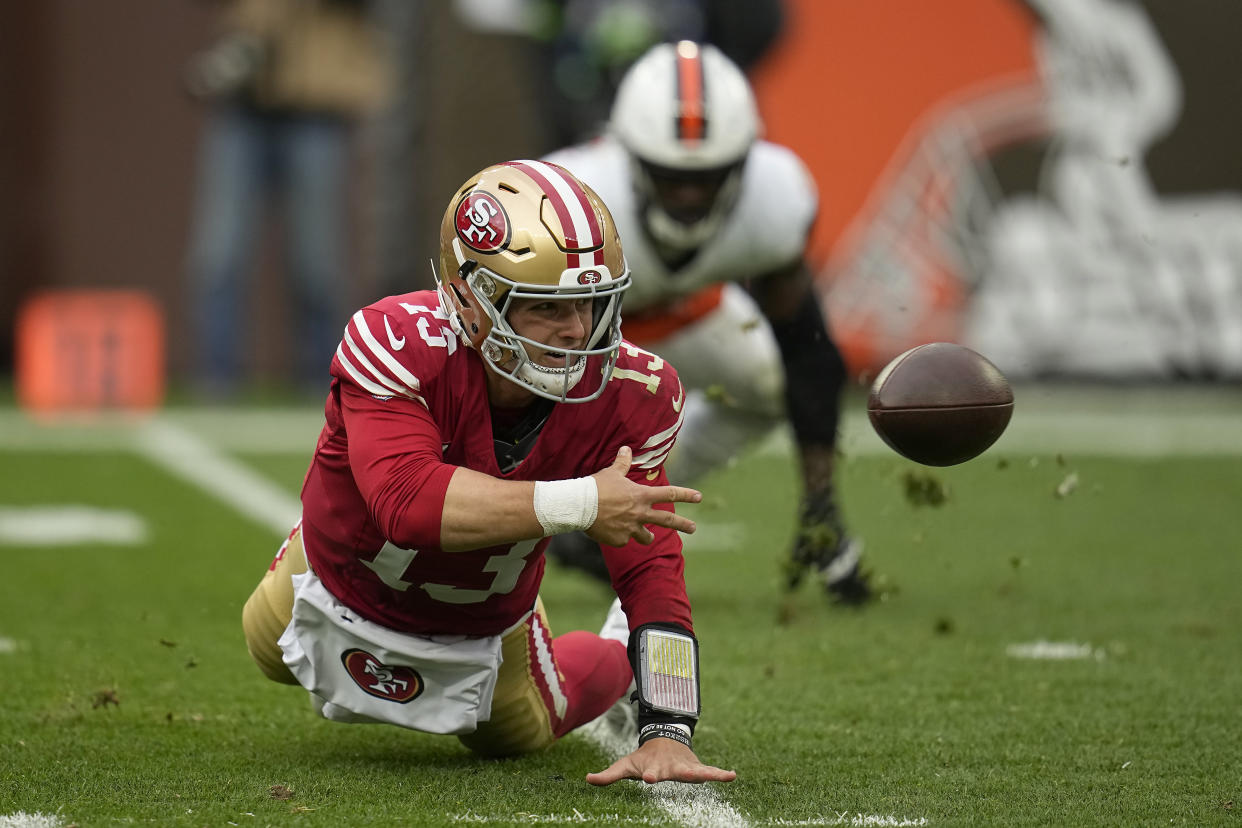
(649, 398)
(391, 347)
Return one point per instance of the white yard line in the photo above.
(692, 805)
(65, 524)
(21, 819)
(1054, 651)
(184, 455)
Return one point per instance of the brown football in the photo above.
(940, 404)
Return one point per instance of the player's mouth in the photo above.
(555, 359)
(559, 360)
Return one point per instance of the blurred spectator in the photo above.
(283, 80)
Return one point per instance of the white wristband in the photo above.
(566, 505)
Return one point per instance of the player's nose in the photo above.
(571, 323)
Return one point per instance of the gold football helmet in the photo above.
(530, 229)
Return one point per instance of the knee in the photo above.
(263, 627)
(520, 726)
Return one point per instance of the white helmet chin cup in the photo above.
(552, 382)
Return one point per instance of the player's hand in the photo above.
(626, 508)
(661, 760)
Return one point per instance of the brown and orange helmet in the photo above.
(530, 229)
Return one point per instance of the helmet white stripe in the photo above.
(581, 226)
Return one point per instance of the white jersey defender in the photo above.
(715, 223)
(730, 348)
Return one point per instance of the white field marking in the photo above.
(574, 818)
(265, 431)
(698, 806)
(1054, 651)
(714, 537)
(61, 525)
(183, 454)
(9, 645)
(21, 819)
(853, 820)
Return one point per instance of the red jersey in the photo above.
(408, 404)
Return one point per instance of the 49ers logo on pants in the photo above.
(384, 681)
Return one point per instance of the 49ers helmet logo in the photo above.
(395, 683)
(482, 223)
(590, 277)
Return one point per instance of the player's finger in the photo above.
(620, 769)
(678, 494)
(708, 773)
(644, 536)
(695, 774)
(672, 520)
(625, 458)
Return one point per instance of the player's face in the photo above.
(560, 323)
(687, 196)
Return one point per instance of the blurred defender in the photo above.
(715, 223)
(465, 426)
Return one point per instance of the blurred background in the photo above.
(1056, 183)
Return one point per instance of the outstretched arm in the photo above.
(480, 510)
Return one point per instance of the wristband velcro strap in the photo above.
(566, 505)
(656, 730)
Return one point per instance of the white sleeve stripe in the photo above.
(654, 458)
(667, 433)
(372, 388)
(362, 381)
(393, 386)
(573, 204)
(381, 353)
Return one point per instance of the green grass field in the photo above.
(1094, 535)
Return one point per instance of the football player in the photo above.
(715, 222)
(464, 426)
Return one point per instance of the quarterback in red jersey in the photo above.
(465, 426)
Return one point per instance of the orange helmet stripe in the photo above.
(691, 117)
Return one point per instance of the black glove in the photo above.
(824, 547)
